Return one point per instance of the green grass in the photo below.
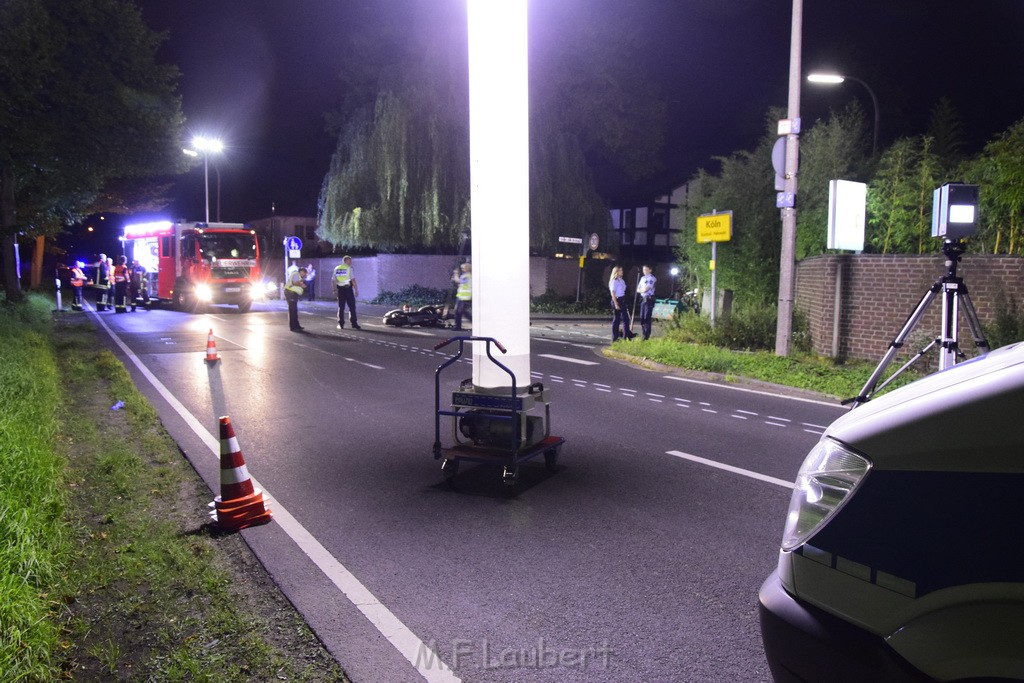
(107, 570)
(802, 371)
(34, 542)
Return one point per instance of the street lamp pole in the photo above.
(206, 146)
(836, 79)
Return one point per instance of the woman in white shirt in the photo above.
(617, 288)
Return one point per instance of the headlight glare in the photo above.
(204, 293)
(830, 474)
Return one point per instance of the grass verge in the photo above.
(110, 572)
(801, 371)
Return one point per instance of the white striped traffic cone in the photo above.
(239, 505)
(211, 349)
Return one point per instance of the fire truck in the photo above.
(189, 265)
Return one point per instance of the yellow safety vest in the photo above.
(342, 275)
(294, 285)
(465, 290)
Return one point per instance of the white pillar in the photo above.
(500, 187)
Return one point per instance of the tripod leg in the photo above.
(895, 345)
(972, 319)
(950, 345)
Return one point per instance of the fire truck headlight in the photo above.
(829, 476)
(257, 291)
(204, 293)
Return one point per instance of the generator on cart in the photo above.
(189, 265)
(497, 426)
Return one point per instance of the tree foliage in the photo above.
(83, 102)
(748, 263)
(399, 178)
(999, 171)
(833, 149)
(900, 198)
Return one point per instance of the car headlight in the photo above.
(256, 290)
(830, 474)
(204, 293)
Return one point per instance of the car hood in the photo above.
(968, 418)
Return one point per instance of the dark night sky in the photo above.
(262, 73)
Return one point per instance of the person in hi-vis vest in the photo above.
(463, 294)
(78, 281)
(345, 284)
(293, 291)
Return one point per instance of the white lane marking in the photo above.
(813, 426)
(329, 353)
(414, 650)
(740, 417)
(603, 386)
(735, 470)
(708, 410)
(780, 419)
(747, 412)
(607, 391)
(774, 424)
(567, 359)
(755, 391)
(813, 431)
(655, 400)
(559, 341)
(655, 395)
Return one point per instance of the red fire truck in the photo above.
(192, 264)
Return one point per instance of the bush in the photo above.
(414, 295)
(1009, 323)
(594, 301)
(749, 328)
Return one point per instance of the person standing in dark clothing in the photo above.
(645, 288)
(293, 291)
(345, 284)
(102, 284)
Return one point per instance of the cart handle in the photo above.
(489, 340)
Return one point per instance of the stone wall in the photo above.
(394, 272)
(878, 293)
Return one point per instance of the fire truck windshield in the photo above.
(217, 246)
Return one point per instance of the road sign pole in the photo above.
(714, 281)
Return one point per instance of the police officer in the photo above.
(645, 288)
(293, 291)
(463, 294)
(345, 284)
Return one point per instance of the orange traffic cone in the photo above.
(239, 505)
(211, 349)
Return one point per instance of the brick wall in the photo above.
(878, 293)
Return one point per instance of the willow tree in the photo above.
(399, 177)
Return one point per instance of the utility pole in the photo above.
(786, 200)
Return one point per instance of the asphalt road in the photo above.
(638, 559)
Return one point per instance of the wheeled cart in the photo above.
(494, 426)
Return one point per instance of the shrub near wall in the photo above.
(879, 292)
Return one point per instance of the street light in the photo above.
(836, 79)
(206, 146)
(674, 272)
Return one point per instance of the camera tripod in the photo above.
(953, 290)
